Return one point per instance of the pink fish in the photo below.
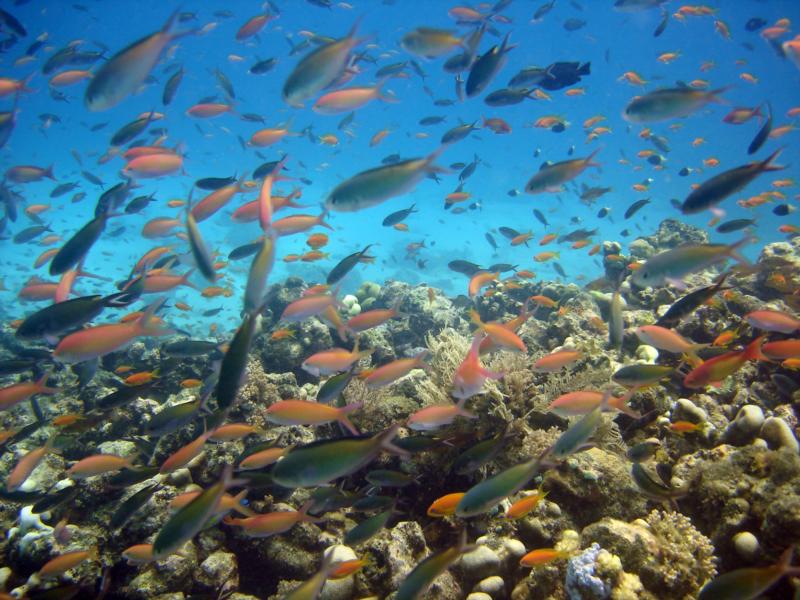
(470, 375)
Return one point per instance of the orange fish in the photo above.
(480, 280)
(525, 505)
(445, 506)
(191, 383)
(542, 556)
(141, 378)
(547, 239)
(545, 256)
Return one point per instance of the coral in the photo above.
(582, 582)
(686, 556)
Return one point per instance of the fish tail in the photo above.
(386, 441)
(347, 423)
(592, 163)
(768, 165)
(41, 384)
(185, 278)
(753, 350)
(715, 95)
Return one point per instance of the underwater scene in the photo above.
(399, 299)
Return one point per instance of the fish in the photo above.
(374, 186)
(192, 518)
(636, 207)
(321, 462)
(124, 72)
(422, 576)
(319, 69)
(486, 494)
(686, 305)
(673, 265)
(749, 582)
(344, 266)
(669, 103)
(486, 67)
(551, 177)
(715, 190)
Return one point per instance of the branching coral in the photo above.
(686, 557)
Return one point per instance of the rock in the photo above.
(746, 545)
(339, 589)
(746, 425)
(778, 434)
(479, 596)
(480, 563)
(219, 569)
(401, 549)
(494, 586)
(646, 354)
(686, 410)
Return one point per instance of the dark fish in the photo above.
(559, 269)
(113, 198)
(130, 131)
(513, 193)
(391, 69)
(9, 21)
(782, 210)
(391, 159)
(215, 183)
(469, 169)
(507, 96)
(333, 387)
(564, 74)
(486, 67)
(543, 10)
(12, 366)
(464, 267)
(253, 118)
(129, 477)
(171, 87)
(176, 416)
(573, 24)
(398, 216)
(212, 312)
(635, 207)
(625, 233)
(186, 348)
(578, 234)
(91, 178)
(528, 76)
(30, 233)
(234, 363)
(754, 24)
(434, 120)
(491, 240)
(54, 500)
(8, 119)
(660, 142)
(60, 317)
(540, 217)
(715, 190)
(458, 63)
(132, 504)
(124, 395)
(138, 204)
(735, 225)
(244, 251)
(501, 267)
(662, 25)
(263, 66)
(685, 171)
(345, 265)
(687, 304)
(85, 371)
(763, 133)
(78, 246)
(508, 232)
(480, 454)
(346, 121)
(603, 212)
(265, 169)
(444, 102)
(225, 84)
(458, 133)
(63, 188)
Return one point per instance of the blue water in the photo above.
(613, 42)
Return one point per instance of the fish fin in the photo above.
(677, 283)
(386, 441)
(347, 424)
